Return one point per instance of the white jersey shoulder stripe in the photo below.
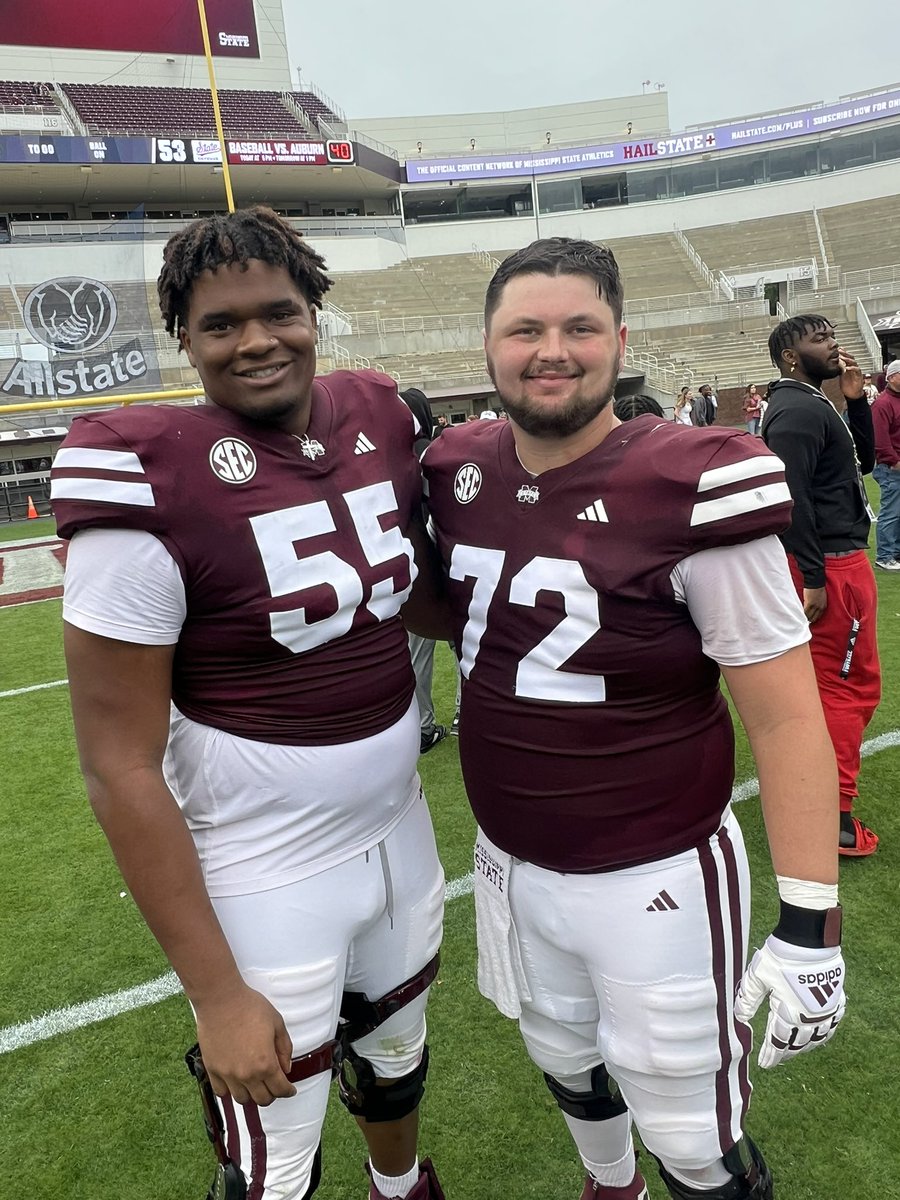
(98, 460)
(108, 491)
(748, 468)
(767, 496)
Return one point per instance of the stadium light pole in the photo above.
(226, 174)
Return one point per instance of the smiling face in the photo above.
(554, 348)
(251, 335)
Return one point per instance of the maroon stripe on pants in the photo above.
(743, 1032)
(717, 924)
(257, 1152)
(232, 1137)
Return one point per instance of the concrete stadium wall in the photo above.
(271, 71)
(24, 264)
(687, 212)
(592, 121)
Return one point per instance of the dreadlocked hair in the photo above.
(236, 237)
(789, 333)
(628, 407)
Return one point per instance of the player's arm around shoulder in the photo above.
(120, 695)
(426, 612)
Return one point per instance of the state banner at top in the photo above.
(152, 26)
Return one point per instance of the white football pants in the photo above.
(366, 925)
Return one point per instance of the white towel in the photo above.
(501, 976)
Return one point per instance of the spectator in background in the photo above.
(488, 415)
(627, 408)
(712, 403)
(886, 419)
(752, 409)
(703, 413)
(827, 538)
(870, 389)
(684, 407)
(439, 426)
(421, 649)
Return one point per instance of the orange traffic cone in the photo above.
(32, 511)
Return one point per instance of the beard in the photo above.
(551, 419)
(816, 368)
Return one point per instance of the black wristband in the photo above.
(814, 928)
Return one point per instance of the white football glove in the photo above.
(805, 988)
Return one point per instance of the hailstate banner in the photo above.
(774, 128)
(150, 26)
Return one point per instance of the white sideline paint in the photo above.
(66, 1020)
(35, 687)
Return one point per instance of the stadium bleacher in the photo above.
(120, 109)
(862, 235)
(315, 108)
(16, 93)
(749, 244)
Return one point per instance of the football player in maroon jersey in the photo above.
(244, 564)
(601, 575)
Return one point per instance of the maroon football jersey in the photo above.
(593, 733)
(292, 552)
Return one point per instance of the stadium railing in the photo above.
(161, 230)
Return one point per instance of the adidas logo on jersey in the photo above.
(594, 512)
(363, 445)
(662, 903)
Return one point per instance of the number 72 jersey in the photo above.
(593, 734)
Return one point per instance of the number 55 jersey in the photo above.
(593, 732)
(291, 552)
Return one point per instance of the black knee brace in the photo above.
(751, 1178)
(601, 1103)
(385, 1100)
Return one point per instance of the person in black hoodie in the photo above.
(826, 543)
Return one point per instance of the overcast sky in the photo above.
(717, 58)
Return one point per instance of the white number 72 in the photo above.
(539, 675)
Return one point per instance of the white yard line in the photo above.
(32, 541)
(35, 687)
(66, 1020)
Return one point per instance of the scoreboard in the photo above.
(53, 148)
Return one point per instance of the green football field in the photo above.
(96, 1104)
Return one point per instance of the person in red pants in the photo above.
(824, 461)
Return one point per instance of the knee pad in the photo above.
(602, 1103)
(378, 1100)
(751, 1179)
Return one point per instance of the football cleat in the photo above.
(636, 1190)
(429, 741)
